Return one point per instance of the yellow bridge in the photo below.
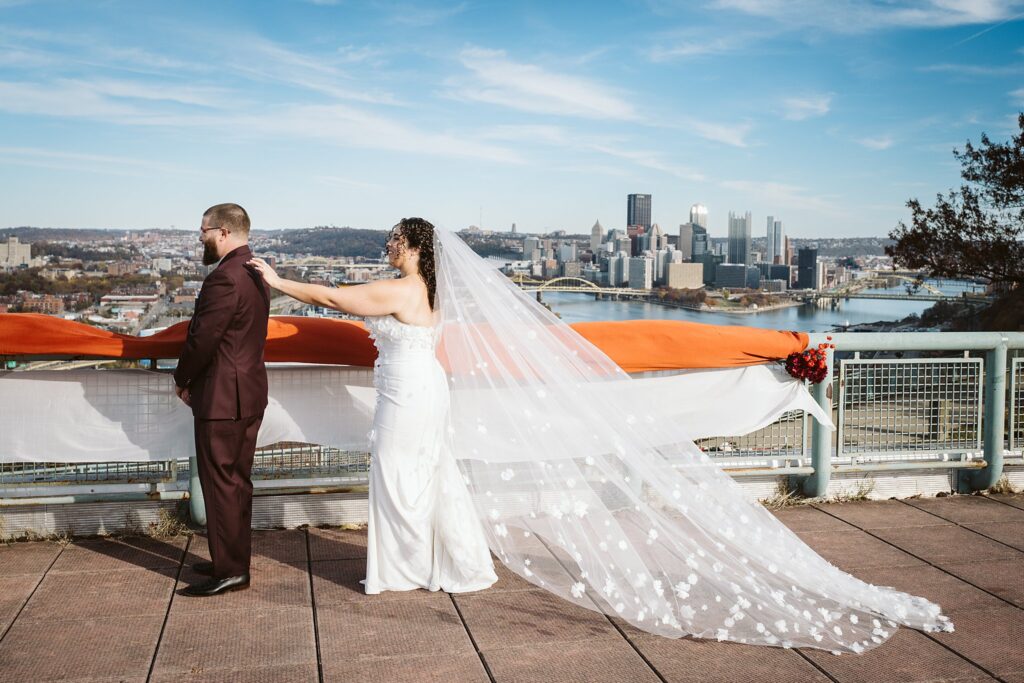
(575, 285)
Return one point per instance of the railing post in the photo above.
(815, 485)
(196, 502)
(994, 423)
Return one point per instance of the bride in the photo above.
(422, 531)
(500, 429)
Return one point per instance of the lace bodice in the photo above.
(390, 335)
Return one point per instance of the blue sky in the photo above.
(827, 115)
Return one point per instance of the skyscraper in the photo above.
(638, 211)
(14, 253)
(776, 251)
(596, 233)
(699, 244)
(699, 215)
(658, 239)
(739, 238)
(641, 272)
(685, 243)
(807, 268)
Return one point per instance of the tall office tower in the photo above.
(567, 252)
(618, 270)
(739, 238)
(658, 239)
(638, 210)
(641, 272)
(699, 244)
(14, 253)
(531, 249)
(662, 260)
(699, 215)
(807, 269)
(711, 263)
(635, 232)
(780, 271)
(685, 243)
(776, 251)
(596, 233)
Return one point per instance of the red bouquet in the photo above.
(810, 364)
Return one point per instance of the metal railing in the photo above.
(1016, 429)
(891, 408)
(905, 413)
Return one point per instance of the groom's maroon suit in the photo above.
(222, 366)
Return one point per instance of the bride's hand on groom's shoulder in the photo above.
(264, 269)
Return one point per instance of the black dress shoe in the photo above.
(218, 586)
(204, 568)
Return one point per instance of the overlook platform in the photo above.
(111, 609)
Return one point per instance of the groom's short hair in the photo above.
(231, 217)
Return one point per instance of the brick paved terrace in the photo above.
(112, 610)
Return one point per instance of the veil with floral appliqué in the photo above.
(582, 492)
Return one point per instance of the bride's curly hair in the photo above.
(419, 234)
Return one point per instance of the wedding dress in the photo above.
(583, 488)
(422, 531)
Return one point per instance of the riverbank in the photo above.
(705, 308)
(749, 310)
(808, 317)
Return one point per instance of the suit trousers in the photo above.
(224, 451)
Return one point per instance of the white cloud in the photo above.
(1018, 97)
(53, 100)
(418, 15)
(350, 127)
(565, 139)
(547, 134)
(652, 160)
(695, 46)
(260, 59)
(879, 142)
(496, 79)
(92, 163)
(734, 134)
(975, 69)
(195, 95)
(781, 195)
(856, 16)
(335, 123)
(809, 106)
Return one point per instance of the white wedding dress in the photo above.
(502, 429)
(422, 531)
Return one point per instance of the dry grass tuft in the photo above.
(1004, 486)
(171, 523)
(785, 497)
(861, 492)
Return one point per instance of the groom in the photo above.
(221, 375)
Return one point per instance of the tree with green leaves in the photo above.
(977, 230)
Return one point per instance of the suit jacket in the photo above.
(221, 363)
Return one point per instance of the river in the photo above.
(821, 317)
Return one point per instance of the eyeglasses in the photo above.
(206, 230)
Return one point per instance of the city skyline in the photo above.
(131, 115)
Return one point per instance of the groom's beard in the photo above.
(210, 253)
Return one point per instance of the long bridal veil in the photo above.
(581, 491)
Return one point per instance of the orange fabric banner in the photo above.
(635, 345)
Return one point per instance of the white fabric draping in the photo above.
(109, 415)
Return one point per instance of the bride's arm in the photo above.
(374, 298)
